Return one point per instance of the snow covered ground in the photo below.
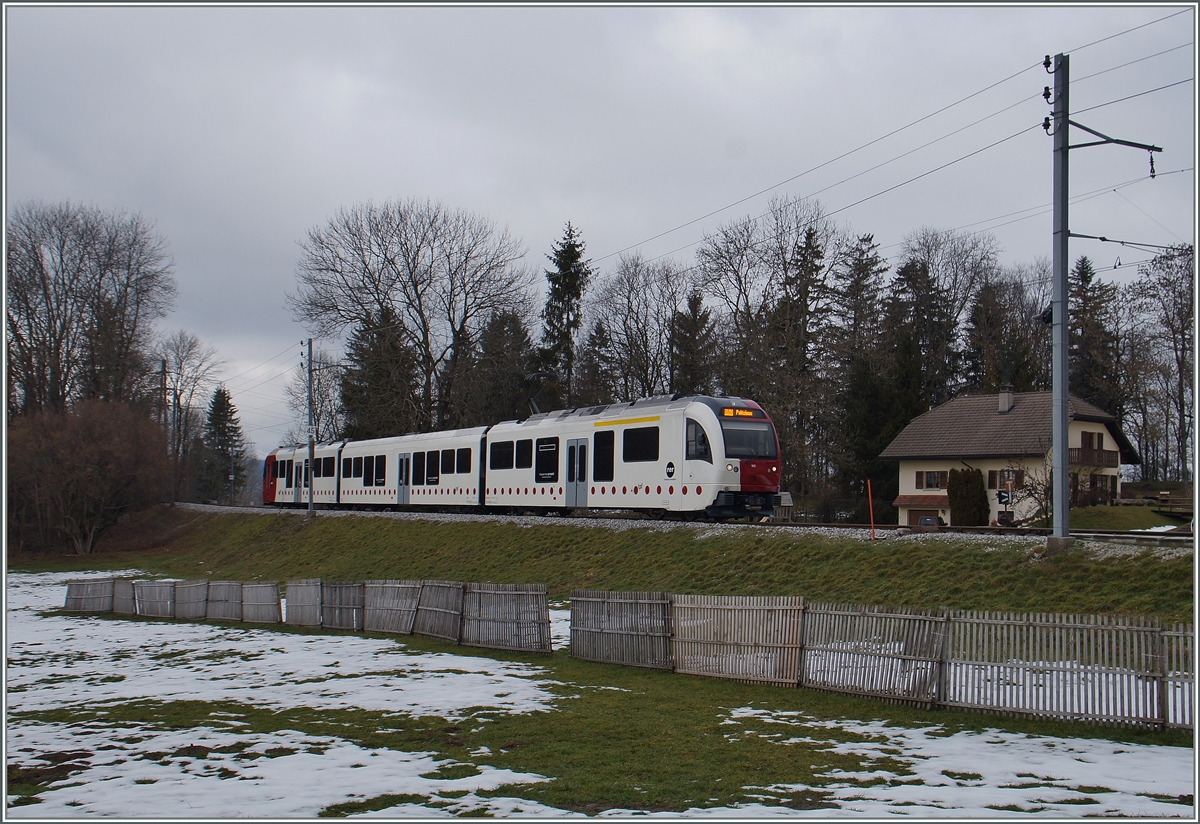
(63, 661)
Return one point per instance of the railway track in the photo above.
(1175, 538)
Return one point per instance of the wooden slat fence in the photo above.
(630, 628)
(260, 602)
(390, 605)
(155, 599)
(745, 638)
(191, 600)
(506, 616)
(439, 610)
(342, 604)
(224, 601)
(1101, 668)
(89, 595)
(879, 651)
(1177, 651)
(124, 602)
(304, 602)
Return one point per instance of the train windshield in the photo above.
(748, 439)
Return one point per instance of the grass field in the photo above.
(618, 738)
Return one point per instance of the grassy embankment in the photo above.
(917, 571)
(624, 737)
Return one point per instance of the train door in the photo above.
(577, 472)
(402, 467)
(301, 481)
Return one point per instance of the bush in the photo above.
(72, 475)
(968, 498)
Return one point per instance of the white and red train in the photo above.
(714, 456)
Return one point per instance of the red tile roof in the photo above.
(972, 426)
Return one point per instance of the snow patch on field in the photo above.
(220, 770)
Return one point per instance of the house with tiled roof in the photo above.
(1007, 437)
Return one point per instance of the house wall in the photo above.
(1036, 470)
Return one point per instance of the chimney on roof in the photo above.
(1006, 399)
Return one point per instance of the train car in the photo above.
(695, 455)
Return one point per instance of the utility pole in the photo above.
(1060, 315)
(308, 476)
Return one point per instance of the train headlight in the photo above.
(728, 467)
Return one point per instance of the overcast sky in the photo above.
(237, 129)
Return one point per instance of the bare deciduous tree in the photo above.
(441, 272)
(84, 287)
(190, 369)
(328, 420)
(637, 305)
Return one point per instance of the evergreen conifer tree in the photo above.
(562, 315)
(1093, 370)
(223, 473)
(693, 341)
(379, 383)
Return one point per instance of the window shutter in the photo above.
(1020, 481)
(920, 480)
(992, 478)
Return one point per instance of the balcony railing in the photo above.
(1094, 457)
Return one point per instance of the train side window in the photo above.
(280, 466)
(570, 464)
(603, 457)
(368, 473)
(346, 470)
(546, 471)
(432, 459)
(639, 445)
(524, 454)
(501, 455)
(330, 467)
(447, 461)
(380, 470)
(288, 474)
(357, 473)
(462, 461)
(317, 464)
(697, 442)
(418, 469)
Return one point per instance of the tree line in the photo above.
(841, 345)
(106, 413)
(442, 328)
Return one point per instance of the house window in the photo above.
(932, 480)
(1006, 478)
(1091, 440)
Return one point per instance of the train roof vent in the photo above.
(596, 410)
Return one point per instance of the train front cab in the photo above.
(749, 469)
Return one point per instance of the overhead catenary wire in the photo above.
(898, 131)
